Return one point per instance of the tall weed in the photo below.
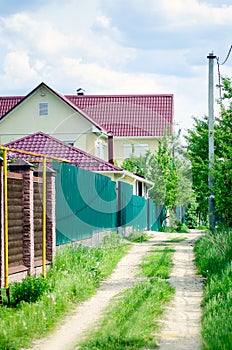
(214, 261)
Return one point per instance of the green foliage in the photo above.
(136, 165)
(198, 153)
(197, 150)
(213, 258)
(132, 318)
(191, 215)
(182, 228)
(29, 290)
(74, 276)
(169, 169)
(178, 227)
(164, 169)
(213, 252)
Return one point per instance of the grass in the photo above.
(131, 320)
(158, 264)
(74, 276)
(214, 261)
(176, 239)
(138, 237)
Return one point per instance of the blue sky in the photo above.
(116, 47)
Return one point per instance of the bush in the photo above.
(29, 290)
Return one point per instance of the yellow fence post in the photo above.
(6, 219)
(44, 216)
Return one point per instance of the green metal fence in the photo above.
(88, 202)
(155, 215)
(131, 208)
(85, 202)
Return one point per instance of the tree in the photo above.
(169, 169)
(197, 149)
(223, 151)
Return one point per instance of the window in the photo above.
(140, 149)
(100, 149)
(137, 149)
(43, 108)
(127, 150)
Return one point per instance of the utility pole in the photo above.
(211, 202)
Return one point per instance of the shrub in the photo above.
(29, 290)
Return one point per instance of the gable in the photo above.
(45, 110)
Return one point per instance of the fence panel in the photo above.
(85, 203)
(131, 209)
(156, 214)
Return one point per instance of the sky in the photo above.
(116, 47)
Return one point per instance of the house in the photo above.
(47, 145)
(110, 127)
(45, 109)
(135, 121)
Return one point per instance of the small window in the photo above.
(140, 149)
(100, 149)
(127, 150)
(43, 108)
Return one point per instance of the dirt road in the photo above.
(182, 320)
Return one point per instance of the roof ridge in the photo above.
(118, 95)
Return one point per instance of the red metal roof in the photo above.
(123, 115)
(8, 102)
(48, 145)
(129, 115)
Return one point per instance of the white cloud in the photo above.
(18, 70)
(192, 13)
(123, 46)
(103, 21)
(31, 32)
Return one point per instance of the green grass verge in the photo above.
(131, 320)
(176, 239)
(138, 237)
(214, 261)
(75, 275)
(158, 264)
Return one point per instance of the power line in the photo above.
(228, 55)
(219, 73)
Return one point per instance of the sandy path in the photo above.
(85, 316)
(182, 323)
